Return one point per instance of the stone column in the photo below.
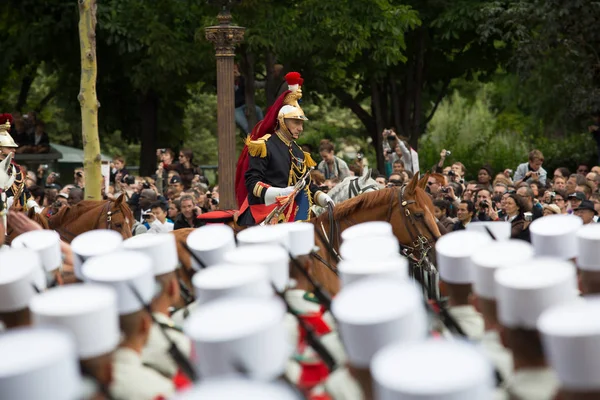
(225, 36)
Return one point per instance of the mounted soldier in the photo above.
(272, 179)
(17, 189)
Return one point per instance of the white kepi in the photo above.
(525, 291)
(231, 280)
(555, 236)
(368, 229)
(162, 250)
(124, 271)
(44, 242)
(38, 364)
(454, 251)
(432, 370)
(588, 247)
(274, 258)
(494, 256)
(91, 244)
(373, 313)
(263, 235)
(239, 336)
(571, 337)
(210, 243)
(88, 311)
(19, 270)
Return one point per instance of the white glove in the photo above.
(273, 193)
(323, 199)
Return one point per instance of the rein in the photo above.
(417, 252)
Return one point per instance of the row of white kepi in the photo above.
(233, 269)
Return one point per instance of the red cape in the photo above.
(267, 125)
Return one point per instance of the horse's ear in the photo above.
(413, 184)
(31, 213)
(423, 181)
(365, 175)
(120, 199)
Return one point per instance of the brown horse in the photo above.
(409, 210)
(87, 215)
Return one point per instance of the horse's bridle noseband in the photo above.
(420, 242)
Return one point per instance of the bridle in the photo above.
(417, 252)
(354, 189)
(105, 211)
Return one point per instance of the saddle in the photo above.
(218, 217)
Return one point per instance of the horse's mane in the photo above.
(68, 214)
(364, 201)
(371, 200)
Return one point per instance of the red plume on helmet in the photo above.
(267, 125)
(293, 78)
(6, 117)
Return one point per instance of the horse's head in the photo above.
(419, 208)
(120, 218)
(7, 173)
(352, 186)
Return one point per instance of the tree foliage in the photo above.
(555, 55)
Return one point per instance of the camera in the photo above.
(163, 151)
(483, 204)
(451, 173)
(147, 216)
(55, 174)
(44, 166)
(146, 185)
(389, 151)
(214, 202)
(359, 156)
(129, 180)
(78, 174)
(510, 171)
(209, 195)
(448, 153)
(445, 190)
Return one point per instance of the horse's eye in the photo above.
(419, 214)
(119, 225)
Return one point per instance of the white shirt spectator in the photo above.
(159, 227)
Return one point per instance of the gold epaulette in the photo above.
(258, 148)
(308, 160)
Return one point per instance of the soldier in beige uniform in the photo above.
(130, 274)
(371, 314)
(523, 292)
(89, 313)
(162, 250)
(17, 279)
(37, 364)
(486, 261)
(571, 338)
(454, 252)
(432, 370)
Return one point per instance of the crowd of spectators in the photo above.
(170, 199)
(519, 197)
